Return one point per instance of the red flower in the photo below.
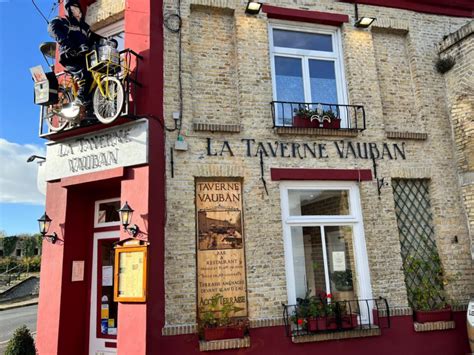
(328, 295)
(300, 321)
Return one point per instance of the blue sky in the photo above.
(22, 29)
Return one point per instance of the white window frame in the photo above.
(354, 219)
(96, 214)
(113, 29)
(304, 54)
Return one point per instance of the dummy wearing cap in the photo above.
(75, 39)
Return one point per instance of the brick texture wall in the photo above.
(226, 76)
(460, 93)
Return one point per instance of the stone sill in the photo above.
(224, 344)
(216, 127)
(433, 326)
(356, 333)
(417, 136)
(317, 131)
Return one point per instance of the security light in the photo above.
(364, 21)
(253, 7)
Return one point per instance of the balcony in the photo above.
(113, 90)
(317, 319)
(316, 117)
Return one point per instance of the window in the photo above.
(115, 31)
(18, 252)
(106, 213)
(324, 241)
(306, 66)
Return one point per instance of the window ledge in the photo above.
(224, 344)
(216, 127)
(433, 326)
(317, 131)
(356, 333)
(418, 136)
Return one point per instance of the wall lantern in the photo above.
(362, 22)
(253, 7)
(126, 213)
(44, 223)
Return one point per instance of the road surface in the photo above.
(12, 319)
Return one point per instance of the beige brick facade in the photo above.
(226, 79)
(460, 100)
(104, 12)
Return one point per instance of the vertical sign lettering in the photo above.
(220, 247)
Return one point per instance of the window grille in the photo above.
(421, 261)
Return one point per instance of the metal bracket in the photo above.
(380, 182)
(262, 177)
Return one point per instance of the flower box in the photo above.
(437, 315)
(349, 321)
(334, 124)
(322, 323)
(219, 333)
(304, 122)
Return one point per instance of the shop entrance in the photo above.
(103, 311)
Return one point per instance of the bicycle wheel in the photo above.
(55, 121)
(109, 106)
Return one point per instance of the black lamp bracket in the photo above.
(52, 238)
(133, 230)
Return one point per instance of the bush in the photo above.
(8, 262)
(21, 343)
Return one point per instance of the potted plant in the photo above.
(321, 313)
(216, 323)
(331, 120)
(348, 320)
(427, 297)
(305, 117)
(342, 280)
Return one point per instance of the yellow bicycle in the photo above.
(109, 73)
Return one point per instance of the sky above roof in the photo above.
(22, 29)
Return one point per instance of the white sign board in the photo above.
(470, 314)
(120, 146)
(339, 261)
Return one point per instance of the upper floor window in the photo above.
(115, 31)
(106, 213)
(306, 65)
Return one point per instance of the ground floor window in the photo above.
(325, 250)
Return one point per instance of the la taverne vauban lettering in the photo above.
(343, 149)
(92, 152)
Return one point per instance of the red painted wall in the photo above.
(460, 8)
(63, 310)
(399, 339)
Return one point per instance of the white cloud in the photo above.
(17, 177)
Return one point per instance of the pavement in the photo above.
(18, 304)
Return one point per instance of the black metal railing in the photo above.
(318, 115)
(313, 316)
(128, 78)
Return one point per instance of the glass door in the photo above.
(104, 311)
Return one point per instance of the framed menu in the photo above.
(130, 274)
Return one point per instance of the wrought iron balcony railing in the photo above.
(318, 115)
(314, 315)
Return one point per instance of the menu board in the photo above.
(220, 246)
(130, 274)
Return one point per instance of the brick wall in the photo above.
(460, 92)
(227, 80)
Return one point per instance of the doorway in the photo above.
(103, 309)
